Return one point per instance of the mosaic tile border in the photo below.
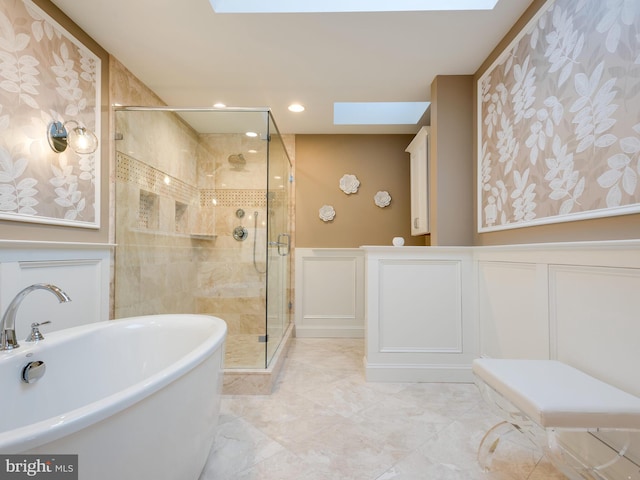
(233, 198)
(131, 170)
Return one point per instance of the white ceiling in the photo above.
(191, 56)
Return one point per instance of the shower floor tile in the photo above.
(244, 351)
(323, 421)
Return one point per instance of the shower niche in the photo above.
(148, 211)
(182, 176)
(181, 219)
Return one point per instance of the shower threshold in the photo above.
(257, 381)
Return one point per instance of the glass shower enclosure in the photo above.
(203, 222)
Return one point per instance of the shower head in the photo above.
(237, 161)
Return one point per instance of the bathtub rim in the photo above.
(39, 433)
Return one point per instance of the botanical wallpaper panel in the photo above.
(45, 75)
(559, 118)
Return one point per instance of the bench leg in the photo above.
(493, 437)
(603, 463)
(489, 443)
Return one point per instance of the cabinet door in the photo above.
(419, 152)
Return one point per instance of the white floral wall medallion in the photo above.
(349, 184)
(382, 199)
(327, 213)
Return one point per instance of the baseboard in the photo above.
(330, 332)
(418, 373)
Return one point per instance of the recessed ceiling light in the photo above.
(317, 6)
(296, 107)
(378, 113)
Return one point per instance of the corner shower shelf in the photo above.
(164, 233)
(203, 236)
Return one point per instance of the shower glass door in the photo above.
(202, 222)
(279, 241)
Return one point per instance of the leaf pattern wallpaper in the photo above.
(559, 118)
(45, 75)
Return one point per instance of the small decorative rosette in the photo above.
(327, 213)
(349, 184)
(382, 199)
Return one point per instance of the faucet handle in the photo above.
(35, 334)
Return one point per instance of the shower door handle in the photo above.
(286, 244)
(281, 244)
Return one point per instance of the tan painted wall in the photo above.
(380, 163)
(10, 230)
(451, 176)
(610, 228)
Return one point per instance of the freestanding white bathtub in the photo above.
(135, 398)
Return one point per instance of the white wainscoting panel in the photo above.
(420, 307)
(595, 318)
(81, 270)
(513, 320)
(420, 315)
(329, 292)
(430, 310)
(586, 295)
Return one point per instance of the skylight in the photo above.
(378, 113)
(325, 6)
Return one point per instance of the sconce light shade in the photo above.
(82, 140)
(79, 139)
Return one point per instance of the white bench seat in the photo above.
(586, 427)
(556, 395)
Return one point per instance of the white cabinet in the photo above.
(419, 151)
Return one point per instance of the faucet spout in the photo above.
(8, 323)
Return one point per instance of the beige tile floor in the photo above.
(325, 422)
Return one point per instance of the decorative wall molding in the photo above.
(505, 287)
(420, 306)
(421, 324)
(593, 318)
(329, 292)
(577, 303)
(81, 270)
(559, 137)
(574, 301)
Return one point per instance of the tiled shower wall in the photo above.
(230, 285)
(159, 269)
(156, 198)
(155, 270)
(176, 251)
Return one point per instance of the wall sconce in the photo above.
(79, 139)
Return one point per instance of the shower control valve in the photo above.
(240, 233)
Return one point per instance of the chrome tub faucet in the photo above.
(8, 323)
